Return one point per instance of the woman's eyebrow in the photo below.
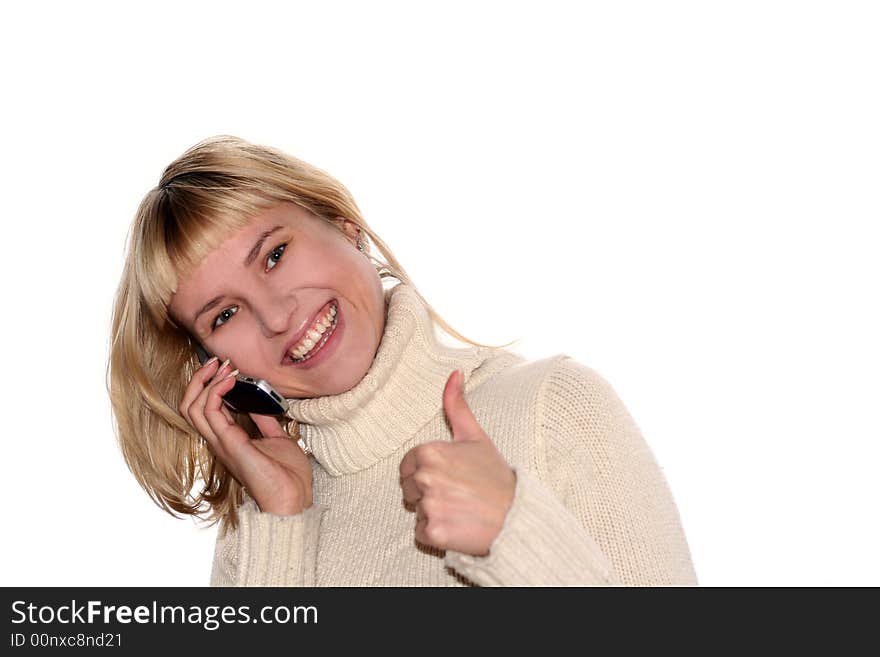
(213, 302)
(254, 252)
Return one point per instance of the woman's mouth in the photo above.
(317, 335)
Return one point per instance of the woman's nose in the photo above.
(274, 313)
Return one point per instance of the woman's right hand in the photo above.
(273, 469)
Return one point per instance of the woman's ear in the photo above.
(348, 227)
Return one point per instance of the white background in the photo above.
(681, 195)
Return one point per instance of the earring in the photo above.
(360, 244)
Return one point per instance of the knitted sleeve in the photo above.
(268, 549)
(603, 513)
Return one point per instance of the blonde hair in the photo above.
(210, 192)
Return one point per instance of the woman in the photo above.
(402, 460)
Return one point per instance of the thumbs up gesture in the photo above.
(462, 489)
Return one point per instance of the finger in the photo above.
(421, 534)
(411, 491)
(219, 421)
(433, 454)
(227, 413)
(201, 392)
(462, 422)
(429, 525)
(198, 407)
(222, 371)
(196, 385)
(218, 376)
(408, 464)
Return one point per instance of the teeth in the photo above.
(315, 335)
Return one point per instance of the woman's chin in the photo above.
(331, 385)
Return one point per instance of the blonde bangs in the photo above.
(188, 221)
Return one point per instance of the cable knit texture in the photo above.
(591, 505)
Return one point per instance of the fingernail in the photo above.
(209, 361)
(231, 374)
(225, 363)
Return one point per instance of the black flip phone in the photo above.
(249, 395)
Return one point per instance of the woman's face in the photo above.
(259, 295)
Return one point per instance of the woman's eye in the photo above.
(224, 317)
(274, 256)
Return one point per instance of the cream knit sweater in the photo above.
(591, 506)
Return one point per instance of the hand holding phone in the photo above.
(274, 469)
(249, 395)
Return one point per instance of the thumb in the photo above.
(462, 422)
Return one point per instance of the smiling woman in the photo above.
(275, 287)
(414, 463)
(236, 249)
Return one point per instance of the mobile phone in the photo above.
(249, 395)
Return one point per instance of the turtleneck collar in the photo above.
(399, 394)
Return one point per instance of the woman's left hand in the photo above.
(462, 489)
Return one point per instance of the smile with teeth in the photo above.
(315, 337)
